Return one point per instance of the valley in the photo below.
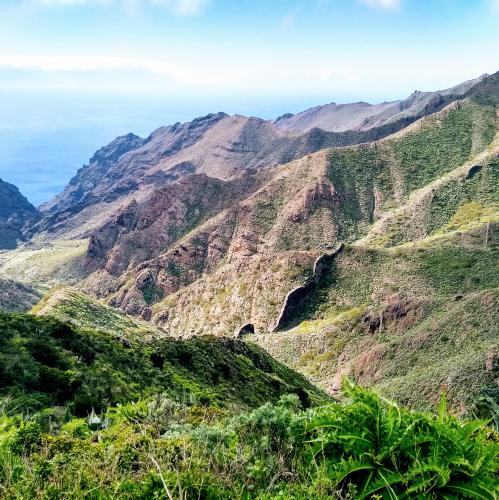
(234, 284)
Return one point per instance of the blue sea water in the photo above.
(46, 136)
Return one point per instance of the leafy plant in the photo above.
(388, 451)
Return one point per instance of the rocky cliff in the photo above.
(16, 215)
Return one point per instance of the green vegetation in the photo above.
(458, 202)
(44, 362)
(152, 293)
(76, 307)
(374, 178)
(406, 320)
(174, 268)
(440, 147)
(366, 447)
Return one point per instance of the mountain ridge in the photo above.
(203, 228)
(217, 144)
(363, 116)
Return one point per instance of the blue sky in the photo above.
(74, 74)
(371, 48)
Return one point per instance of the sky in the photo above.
(76, 73)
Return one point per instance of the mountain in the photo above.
(231, 310)
(363, 116)
(191, 227)
(418, 214)
(240, 264)
(232, 226)
(218, 145)
(16, 215)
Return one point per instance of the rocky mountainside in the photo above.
(364, 116)
(16, 215)
(423, 203)
(353, 246)
(200, 225)
(220, 146)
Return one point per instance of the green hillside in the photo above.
(376, 178)
(44, 362)
(409, 320)
(411, 304)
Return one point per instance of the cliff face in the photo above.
(16, 215)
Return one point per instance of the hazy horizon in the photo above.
(74, 74)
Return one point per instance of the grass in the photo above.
(405, 320)
(46, 265)
(376, 178)
(76, 307)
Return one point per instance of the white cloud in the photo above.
(211, 72)
(179, 7)
(382, 4)
(77, 63)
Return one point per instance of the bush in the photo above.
(388, 451)
(27, 439)
(366, 447)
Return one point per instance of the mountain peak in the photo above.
(362, 116)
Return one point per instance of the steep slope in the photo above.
(363, 116)
(16, 214)
(130, 168)
(220, 146)
(268, 220)
(45, 362)
(304, 207)
(411, 307)
(411, 320)
(428, 194)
